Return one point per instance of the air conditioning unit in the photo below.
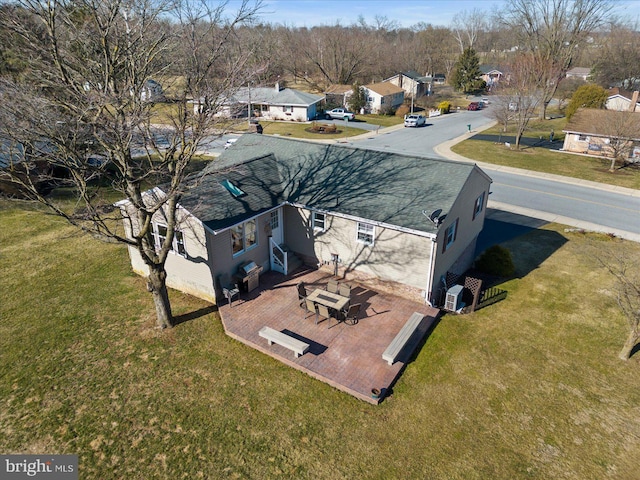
(453, 301)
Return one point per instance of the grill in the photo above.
(249, 276)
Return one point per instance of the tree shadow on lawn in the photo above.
(528, 244)
(185, 317)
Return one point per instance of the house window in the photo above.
(160, 235)
(287, 109)
(243, 237)
(366, 233)
(450, 235)
(479, 205)
(370, 99)
(382, 101)
(319, 222)
(583, 138)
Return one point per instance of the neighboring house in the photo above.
(491, 75)
(365, 210)
(338, 95)
(439, 79)
(412, 83)
(151, 92)
(579, 73)
(622, 100)
(603, 133)
(270, 104)
(383, 97)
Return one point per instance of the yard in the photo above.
(539, 155)
(530, 387)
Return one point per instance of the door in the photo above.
(275, 223)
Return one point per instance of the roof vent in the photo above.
(232, 189)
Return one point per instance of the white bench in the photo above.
(403, 336)
(273, 336)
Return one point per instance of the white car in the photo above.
(340, 114)
(414, 120)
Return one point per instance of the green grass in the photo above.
(528, 388)
(541, 159)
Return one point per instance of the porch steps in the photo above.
(293, 261)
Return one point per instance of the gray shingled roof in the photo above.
(377, 186)
(271, 96)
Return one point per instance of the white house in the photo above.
(270, 104)
(383, 97)
(622, 100)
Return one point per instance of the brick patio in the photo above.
(348, 357)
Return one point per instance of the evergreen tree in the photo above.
(358, 98)
(466, 73)
(587, 96)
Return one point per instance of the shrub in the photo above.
(496, 260)
(444, 107)
(402, 110)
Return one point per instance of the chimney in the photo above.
(277, 86)
(634, 101)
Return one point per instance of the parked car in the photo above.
(414, 120)
(474, 106)
(340, 114)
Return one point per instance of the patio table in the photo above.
(328, 299)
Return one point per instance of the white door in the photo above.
(276, 226)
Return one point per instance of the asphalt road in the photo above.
(568, 201)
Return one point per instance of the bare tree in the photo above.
(466, 26)
(87, 91)
(625, 268)
(624, 130)
(519, 94)
(618, 57)
(552, 30)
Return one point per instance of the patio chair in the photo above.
(229, 289)
(310, 308)
(345, 290)
(351, 317)
(323, 312)
(332, 286)
(302, 294)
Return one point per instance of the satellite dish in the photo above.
(434, 215)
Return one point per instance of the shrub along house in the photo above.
(365, 212)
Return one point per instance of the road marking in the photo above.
(542, 192)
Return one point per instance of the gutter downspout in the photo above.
(427, 296)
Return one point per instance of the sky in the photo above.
(309, 13)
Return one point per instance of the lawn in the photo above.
(488, 147)
(530, 387)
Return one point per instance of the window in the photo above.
(287, 109)
(478, 206)
(319, 222)
(366, 233)
(450, 235)
(274, 220)
(160, 235)
(369, 99)
(243, 237)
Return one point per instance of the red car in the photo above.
(474, 106)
